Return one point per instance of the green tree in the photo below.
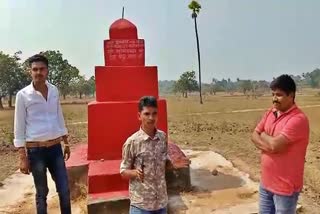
(245, 86)
(61, 73)
(81, 86)
(224, 84)
(216, 86)
(195, 7)
(231, 86)
(92, 85)
(187, 83)
(12, 76)
(3, 70)
(263, 86)
(313, 78)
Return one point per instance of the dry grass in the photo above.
(229, 133)
(8, 156)
(224, 132)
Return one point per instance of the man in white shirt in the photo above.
(39, 129)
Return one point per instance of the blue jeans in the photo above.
(136, 210)
(271, 203)
(40, 159)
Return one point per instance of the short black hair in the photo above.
(38, 58)
(284, 83)
(147, 101)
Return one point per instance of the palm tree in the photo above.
(195, 7)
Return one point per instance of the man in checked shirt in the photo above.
(144, 162)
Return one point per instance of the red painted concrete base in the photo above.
(113, 117)
(111, 123)
(107, 191)
(104, 176)
(117, 83)
(79, 156)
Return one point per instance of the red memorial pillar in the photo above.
(113, 117)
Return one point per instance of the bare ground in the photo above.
(192, 127)
(229, 135)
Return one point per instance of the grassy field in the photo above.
(217, 125)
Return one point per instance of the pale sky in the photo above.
(256, 39)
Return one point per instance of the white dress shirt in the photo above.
(37, 119)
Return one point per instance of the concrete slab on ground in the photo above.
(218, 187)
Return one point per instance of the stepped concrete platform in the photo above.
(107, 191)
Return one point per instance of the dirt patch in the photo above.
(229, 135)
(8, 160)
(18, 196)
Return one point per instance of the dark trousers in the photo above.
(51, 157)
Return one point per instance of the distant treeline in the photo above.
(187, 83)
